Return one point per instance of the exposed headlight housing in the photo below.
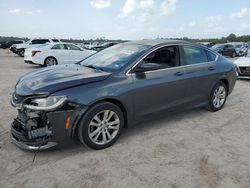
(46, 104)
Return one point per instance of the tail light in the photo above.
(33, 53)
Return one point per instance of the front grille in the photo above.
(244, 71)
(21, 135)
(18, 132)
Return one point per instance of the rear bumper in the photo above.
(29, 62)
(33, 61)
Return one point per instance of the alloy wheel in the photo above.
(219, 96)
(21, 53)
(50, 62)
(103, 127)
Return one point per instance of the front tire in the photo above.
(217, 97)
(101, 126)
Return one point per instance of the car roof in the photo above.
(156, 42)
(55, 43)
(236, 43)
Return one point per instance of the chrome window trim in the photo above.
(182, 66)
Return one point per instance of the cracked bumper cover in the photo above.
(60, 136)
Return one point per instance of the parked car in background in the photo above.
(8, 44)
(225, 50)
(56, 54)
(104, 45)
(90, 45)
(114, 89)
(20, 48)
(241, 48)
(207, 44)
(243, 66)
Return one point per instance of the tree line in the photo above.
(230, 38)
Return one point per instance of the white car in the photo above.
(55, 54)
(89, 45)
(20, 48)
(240, 47)
(243, 66)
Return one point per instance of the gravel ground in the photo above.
(192, 149)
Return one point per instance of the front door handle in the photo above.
(178, 73)
(211, 68)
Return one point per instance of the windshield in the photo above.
(115, 57)
(28, 41)
(217, 46)
(237, 45)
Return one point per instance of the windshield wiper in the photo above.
(93, 67)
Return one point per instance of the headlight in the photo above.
(47, 104)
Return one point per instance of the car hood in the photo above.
(55, 78)
(242, 61)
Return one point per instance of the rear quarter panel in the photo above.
(226, 70)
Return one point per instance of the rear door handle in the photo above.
(211, 68)
(178, 73)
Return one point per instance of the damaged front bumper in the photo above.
(40, 130)
(32, 132)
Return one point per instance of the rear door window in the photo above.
(58, 47)
(72, 47)
(39, 41)
(211, 56)
(194, 55)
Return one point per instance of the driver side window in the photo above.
(166, 57)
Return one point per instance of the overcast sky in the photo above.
(124, 19)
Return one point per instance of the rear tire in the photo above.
(101, 126)
(218, 97)
(50, 61)
(21, 53)
(233, 55)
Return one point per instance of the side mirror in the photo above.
(147, 67)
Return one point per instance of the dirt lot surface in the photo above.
(191, 149)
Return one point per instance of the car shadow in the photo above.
(244, 79)
(157, 122)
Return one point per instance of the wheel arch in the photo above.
(117, 103)
(19, 50)
(50, 57)
(226, 82)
